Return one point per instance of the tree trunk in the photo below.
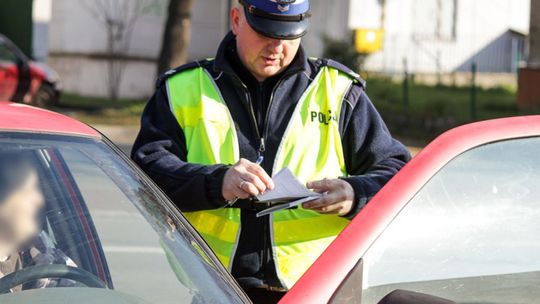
(176, 35)
(112, 84)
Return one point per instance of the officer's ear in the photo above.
(236, 18)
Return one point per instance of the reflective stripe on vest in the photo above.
(311, 148)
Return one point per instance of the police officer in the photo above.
(217, 129)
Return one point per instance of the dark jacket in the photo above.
(372, 156)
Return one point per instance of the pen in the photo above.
(259, 161)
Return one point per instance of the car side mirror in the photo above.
(399, 296)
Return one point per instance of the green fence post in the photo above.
(405, 86)
(473, 91)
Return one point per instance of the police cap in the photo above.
(279, 19)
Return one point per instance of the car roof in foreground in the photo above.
(321, 280)
(17, 117)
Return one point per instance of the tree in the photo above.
(176, 35)
(119, 18)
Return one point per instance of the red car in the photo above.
(26, 81)
(459, 222)
(95, 228)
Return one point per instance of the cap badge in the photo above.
(283, 5)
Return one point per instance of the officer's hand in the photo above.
(338, 197)
(245, 179)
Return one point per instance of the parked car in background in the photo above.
(24, 80)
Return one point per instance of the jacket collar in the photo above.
(222, 64)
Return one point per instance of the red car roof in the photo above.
(22, 118)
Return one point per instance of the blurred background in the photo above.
(430, 65)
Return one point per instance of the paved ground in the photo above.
(122, 136)
(414, 150)
(133, 246)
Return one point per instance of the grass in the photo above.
(444, 101)
(426, 104)
(95, 110)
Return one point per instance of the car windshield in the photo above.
(75, 215)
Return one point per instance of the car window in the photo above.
(98, 218)
(471, 234)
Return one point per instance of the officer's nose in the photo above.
(276, 45)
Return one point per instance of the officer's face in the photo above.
(262, 56)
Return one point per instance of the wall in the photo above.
(41, 15)
(410, 33)
(329, 18)
(78, 49)
(529, 76)
(209, 25)
(77, 42)
(534, 42)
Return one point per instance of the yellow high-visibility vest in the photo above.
(311, 148)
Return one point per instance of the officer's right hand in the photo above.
(245, 179)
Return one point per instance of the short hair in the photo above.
(15, 168)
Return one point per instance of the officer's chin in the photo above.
(269, 71)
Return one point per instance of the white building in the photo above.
(77, 41)
(78, 48)
(434, 36)
(437, 36)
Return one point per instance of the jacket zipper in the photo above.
(260, 153)
(267, 242)
(270, 106)
(262, 148)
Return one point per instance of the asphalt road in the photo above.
(133, 250)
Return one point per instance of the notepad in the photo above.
(288, 192)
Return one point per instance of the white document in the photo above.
(287, 188)
(288, 192)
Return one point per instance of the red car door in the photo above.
(459, 222)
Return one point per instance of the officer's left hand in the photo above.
(338, 197)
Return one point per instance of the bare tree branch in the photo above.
(119, 18)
